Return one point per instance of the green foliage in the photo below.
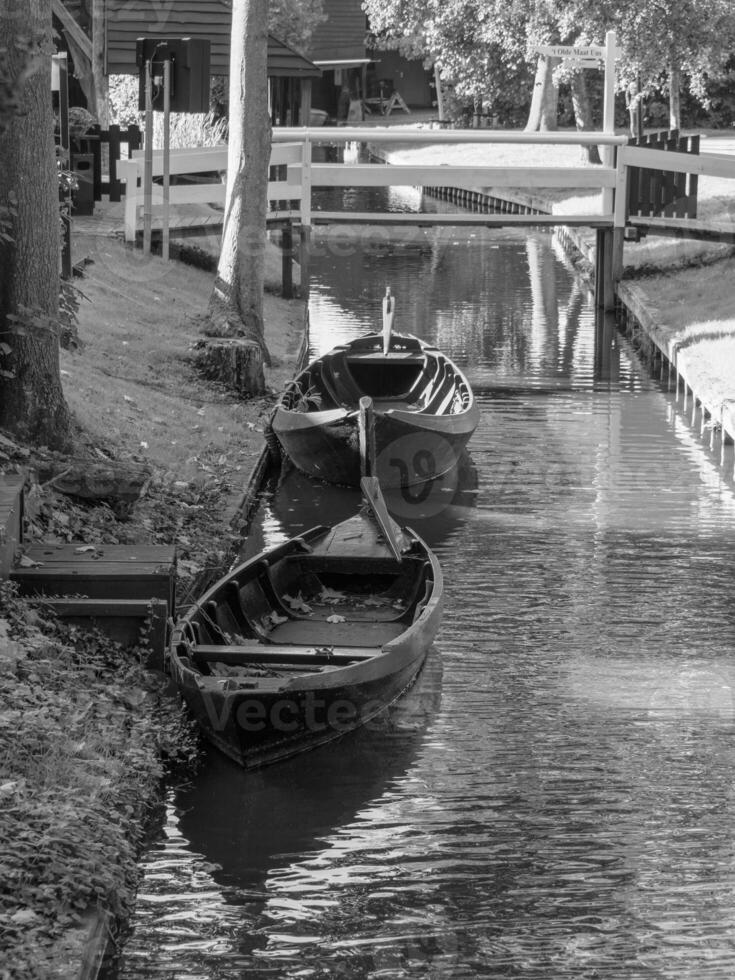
(186, 128)
(294, 21)
(85, 735)
(484, 48)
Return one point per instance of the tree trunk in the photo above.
(236, 304)
(583, 114)
(101, 91)
(543, 111)
(674, 98)
(31, 399)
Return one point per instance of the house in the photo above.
(290, 75)
(337, 68)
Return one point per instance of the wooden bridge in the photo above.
(290, 195)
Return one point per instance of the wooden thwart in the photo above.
(255, 653)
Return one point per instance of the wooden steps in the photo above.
(12, 486)
(128, 591)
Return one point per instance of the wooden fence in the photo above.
(663, 193)
(91, 145)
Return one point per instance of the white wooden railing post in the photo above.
(306, 183)
(619, 214)
(608, 114)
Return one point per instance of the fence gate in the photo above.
(662, 193)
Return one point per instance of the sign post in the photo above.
(148, 159)
(609, 244)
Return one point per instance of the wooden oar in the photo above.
(366, 436)
(391, 532)
(389, 310)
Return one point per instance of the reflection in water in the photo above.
(566, 811)
(292, 502)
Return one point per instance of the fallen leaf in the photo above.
(296, 603)
(331, 595)
(22, 916)
(25, 562)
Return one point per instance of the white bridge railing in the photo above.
(293, 147)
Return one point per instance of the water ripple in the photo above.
(555, 798)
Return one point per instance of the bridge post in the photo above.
(306, 183)
(304, 256)
(620, 216)
(599, 261)
(287, 261)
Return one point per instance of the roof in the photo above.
(128, 20)
(285, 62)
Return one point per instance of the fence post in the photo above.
(129, 170)
(691, 206)
(114, 184)
(306, 183)
(95, 148)
(287, 260)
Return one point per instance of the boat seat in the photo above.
(260, 653)
(351, 633)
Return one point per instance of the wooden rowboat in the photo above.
(424, 411)
(309, 639)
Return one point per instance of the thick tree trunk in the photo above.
(31, 400)
(674, 98)
(236, 304)
(583, 114)
(543, 111)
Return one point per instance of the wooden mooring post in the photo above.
(287, 261)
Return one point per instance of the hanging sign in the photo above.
(565, 51)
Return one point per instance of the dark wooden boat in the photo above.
(424, 411)
(310, 639)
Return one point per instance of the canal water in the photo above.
(554, 798)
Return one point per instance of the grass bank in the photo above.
(85, 733)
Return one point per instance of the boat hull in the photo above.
(259, 729)
(310, 639)
(422, 413)
(410, 449)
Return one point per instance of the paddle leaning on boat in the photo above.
(424, 411)
(310, 639)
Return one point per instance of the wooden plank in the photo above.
(491, 220)
(70, 25)
(11, 518)
(709, 164)
(129, 622)
(255, 653)
(102, 572)
(400, 175)
(684, 228)
(400, 134)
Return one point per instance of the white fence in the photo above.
(293, 147)
(204, 160)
